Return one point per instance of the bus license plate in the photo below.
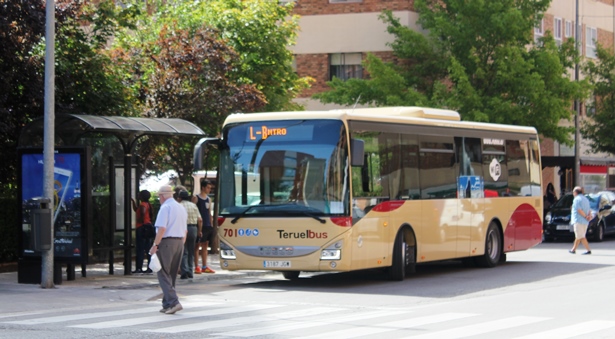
(276, 264)
(563, 227)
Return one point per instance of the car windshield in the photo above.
(564, 202)
(288, 167)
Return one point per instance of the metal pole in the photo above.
(49, 137)
(127, 214)
(577, 104)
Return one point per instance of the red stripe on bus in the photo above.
(388, 206)
(524, 229)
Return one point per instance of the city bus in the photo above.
(373, 188)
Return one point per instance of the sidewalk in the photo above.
(97, 276)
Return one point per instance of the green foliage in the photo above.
(599, 128)
(185, 74)
(85, 83)
(86, 80)
(260, 32)
(476, 60)
(201, 61)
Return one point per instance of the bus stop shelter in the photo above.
(73, 129)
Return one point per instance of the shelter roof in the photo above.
(70, 127)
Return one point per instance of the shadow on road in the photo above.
(436, 280)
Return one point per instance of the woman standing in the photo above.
(145, 232)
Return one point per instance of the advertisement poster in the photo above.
(66, 205)
(470, 186)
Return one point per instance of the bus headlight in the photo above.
(330, 254)
(333, 252)
(226, 252)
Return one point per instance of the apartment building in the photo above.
(336, 35)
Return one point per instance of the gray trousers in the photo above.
(170, 251)
(188, 257)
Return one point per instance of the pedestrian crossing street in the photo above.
(237, 319)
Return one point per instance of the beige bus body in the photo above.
(391, 230)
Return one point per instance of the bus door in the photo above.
(470, 191)
(370, 234)
(370, 238)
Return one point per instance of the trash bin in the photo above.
(41, 225)
(29, 269)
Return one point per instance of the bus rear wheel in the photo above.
(291, 275)
(493, 248)
(404, 259)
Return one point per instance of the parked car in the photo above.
(557, 219)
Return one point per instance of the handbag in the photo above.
(154, 263)
(149, 231)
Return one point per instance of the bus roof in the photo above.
(405, 115)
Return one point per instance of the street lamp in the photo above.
(577, 104)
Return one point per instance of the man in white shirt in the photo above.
(169, 246)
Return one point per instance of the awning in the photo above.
(568, 161)
(70, 127)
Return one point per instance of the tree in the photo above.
(478, 58)
(260, 32)
(186, 76)
(201, 61)
(599, 128)
(82, 84)
(87, 82)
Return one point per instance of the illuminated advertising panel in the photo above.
(67, 205)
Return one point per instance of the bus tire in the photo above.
(493, 248)
(404, 260)
(291, 275)
(502, 258)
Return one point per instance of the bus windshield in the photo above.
(284, 168)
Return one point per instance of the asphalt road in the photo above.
(541, 293)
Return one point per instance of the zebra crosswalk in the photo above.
(237, 319)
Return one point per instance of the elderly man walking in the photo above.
(169, 246)
(580, 217)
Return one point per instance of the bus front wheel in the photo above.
(493, 248)
(291, 275)
(404, 259)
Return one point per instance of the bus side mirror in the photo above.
(200, 149)
(357, 152)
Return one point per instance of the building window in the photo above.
(591, 36)
(569, 28)
(557, 31)
(538, 31)
(345, 66)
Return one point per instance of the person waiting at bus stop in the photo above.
(171, 223)
(207, 232)
(194, 226)
(579, 218)
(144, 232)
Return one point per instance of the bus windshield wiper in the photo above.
(321, 220)
(303, 211)
(243, 213)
